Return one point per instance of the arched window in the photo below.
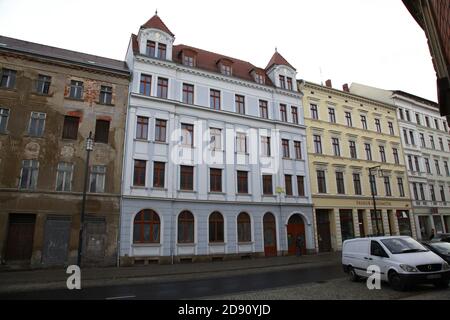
(146, 227)
(244, 228)
(186, 227)
(216, 227)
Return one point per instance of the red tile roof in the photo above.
(278, 59)
(156, 23)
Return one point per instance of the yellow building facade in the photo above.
(353, 144)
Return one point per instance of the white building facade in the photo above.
(215, 158)
(426, 143)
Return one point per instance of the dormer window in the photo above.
(259, 78)
(188, 61)
(150, 50)
(289, 83)
(282, 82)
(162, 51)
(225, 66)
(225, 69)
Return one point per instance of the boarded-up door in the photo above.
(19, 246)
(56, 240)
(94, 244)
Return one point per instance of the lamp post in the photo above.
(89, 148)
(372, 189)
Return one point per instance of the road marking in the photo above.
(121, 297)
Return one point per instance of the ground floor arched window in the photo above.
(146, 227)
(244, 228)
(216, 232)
(186, 227)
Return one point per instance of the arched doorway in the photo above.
(296, 229)
(270, 235)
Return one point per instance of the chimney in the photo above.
(345, 87)
(328, 83)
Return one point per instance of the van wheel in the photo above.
(441, 284)
(352, 274)
(396, 282)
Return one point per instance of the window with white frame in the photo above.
(37, 124)
(97, 179)
(29, 174)
(241, 142)
(64, 176)
(4, 116)
(215, 139)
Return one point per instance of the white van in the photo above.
(401, 259)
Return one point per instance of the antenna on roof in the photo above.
(156, 12)
(276, 49)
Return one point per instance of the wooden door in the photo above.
(323, 230)
(295, 229)
(270, 235)
(19, 246)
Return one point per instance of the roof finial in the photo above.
(276, 50)
(156, 12)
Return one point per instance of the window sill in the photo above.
(105, 104)
(216, 244)
(155, 245)
(74, 99)
(139, 187)
(141, 140)
(186, 244)
(9, 89)
(159, 189)
(187, 191)
(161, 142)
(243, 194)
(286, 158)
(245, 242)
(269, 195)
(41, 94)
(33, 137)
(217, 193)
(242, 153)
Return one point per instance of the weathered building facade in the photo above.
(50, 100)
(354, 148)
(215, 162)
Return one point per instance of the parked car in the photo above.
(442, 249)
(445, 237)
(402, 261)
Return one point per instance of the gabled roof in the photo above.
(277, 59)
(155, 22)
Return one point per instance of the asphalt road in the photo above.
(191, 289)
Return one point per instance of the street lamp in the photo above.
(89, 148)
(372, 188)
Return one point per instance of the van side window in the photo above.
(377, 250)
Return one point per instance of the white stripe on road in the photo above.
(122, 297)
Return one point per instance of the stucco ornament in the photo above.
(67, 152)
(32, 150)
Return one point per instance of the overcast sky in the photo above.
(377, 43)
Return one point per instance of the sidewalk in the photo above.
(13, 281)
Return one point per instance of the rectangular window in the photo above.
(357, 183)
(162, 48)
(368, 151)
(395, 154)
(70, 128)
(105, 95)
(259, 78)
(416, 194)
(263, 112)
(352, 145)
(301, 186)
(442, 191)
(241, 142)
(400, 111)
(145, 85)
(214, 99)
(340, 182)
(283, 113)
(348, 118)
(427, 122)
(318, 144)
(364, 122)
(8, 79)
(288, 184)
(285, 144)
(142, 128)
(289, 83)
(64, 176)
(433, 195)
(242, 182)
(447, 172)
(240, 104)
(377, 222)
(422, 191)
(188, 93)
(321, 184)
(438, 169)
(332, 115)
(139, 173)
(387, 186)
(187, 178)
(418, 119)
(436, 124)
(373, 184)
(160, 130)
(265, 146)
(163, 85)
(267, 184)
(422, 140)
(427, 165)
(188, 61)
(215, 142)
(378, 125)
(416, 161)
(159, 174)
(401, 189)
(445, 127)
(37, 124)
(97, 179)
(150, 48)
(29, 174)
(391, 128)
(336, 147)
(43, 84)
(382, 154)
(101, 131)
(405, 136)
(411, 138)
(408, 118)
(410, 163)
(215, 180)
(4, 115)
(225, 69)
(314, 112)
(187, 134)
(298, 149)
(441, 144)
(76, 90)
(282, 82)
(294, 113)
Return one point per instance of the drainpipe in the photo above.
(172, 240)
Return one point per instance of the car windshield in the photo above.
(441, 247)
(403, 245)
